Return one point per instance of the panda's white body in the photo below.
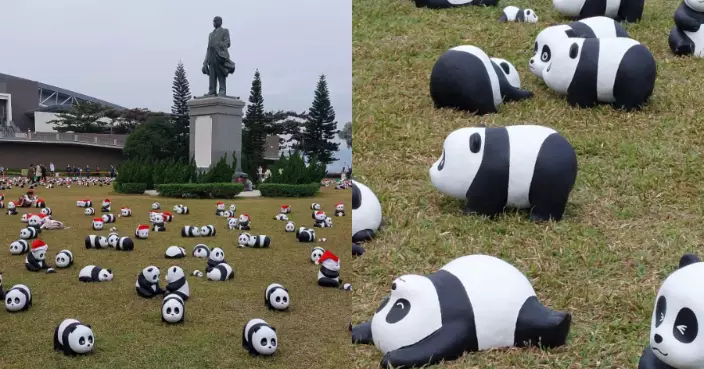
(18, 298)
(366, 212)
(259, 241)
(473, 303)
(490, 186)
(190, 231)
(173, 309)
(515, 14)
(621, 10)
(28, 233)
(623, 66)
(177, 283)
(220, 272)
(108, 218)
(72, 337)
(64, 259)
(259, 338)
(698, 40)
(547, 39)
(96, 242)
(207, 230)
(175, 252)
(92, 273)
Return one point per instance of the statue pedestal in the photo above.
(215, 130)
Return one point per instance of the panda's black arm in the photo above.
(686, 19)
(362, 333)
(648, 360)
(447, 343)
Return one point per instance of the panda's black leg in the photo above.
(538, 325)
(363, 235)
(57, 345)
(648, 360)
(362, 333)
(447, 343)
(680, 44)
(357, 250)
(145, 292)
(547, 212)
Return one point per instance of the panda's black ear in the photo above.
(273, 329)
(109, 270)
(570, 33)
(88, 325)
(574, 50)
(475, 142)
(688, 259)
(505, 67)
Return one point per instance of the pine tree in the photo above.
(255, 129)
(182, 93)
(320, 128)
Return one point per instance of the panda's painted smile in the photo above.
(658, 350)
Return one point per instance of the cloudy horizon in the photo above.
(126, 52)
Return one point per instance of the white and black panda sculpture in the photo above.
(674, 327)
(173, 309)
(142, 232)
(276, 297)
(96, 242)
(92, 273)
(620, 10)
(201, 251)
(616, 71)
(687, 37)
(73, 337)
(216, 256)
(89, 211)
(125, 244)
(290, 226)
(19, 247)
(207, 230)
(259, 241)
(108, 218)
(473, 303)
(175, 252)
(594, 27)
(64, 259)
(190, 231)
(316, 253)
(232, 222)
(219, 272)
(177, 283)
(259, 338)
(515, 14)
(29, 233)
(508, 70)
(464, 78)
(442, 4)
(305, 234)
(366, 213)
(523, 167)
(113, 239)
(147, 285)
(18, 298)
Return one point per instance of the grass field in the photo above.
(128, 328)
(635, 209)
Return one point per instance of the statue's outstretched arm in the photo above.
(226, 38)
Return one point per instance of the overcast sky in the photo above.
(125, 51)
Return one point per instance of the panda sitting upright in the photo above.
(674, 339)
(687, 38)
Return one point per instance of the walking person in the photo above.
(87, 170)
(51, 168)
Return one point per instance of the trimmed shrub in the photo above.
(130, 188)
(200, 190)
(292, 169)
(221, 172)
(289, 190)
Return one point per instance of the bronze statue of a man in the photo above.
(217, 64)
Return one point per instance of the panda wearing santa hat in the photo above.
(35, 260)
(329, 273)
(219, 208)
(105, 208)
(142, 232)
(340, 210)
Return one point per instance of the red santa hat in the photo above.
(142, 227)
(39, 245)
(166, 213)
(106, 200)
(340, 204)
(327, 255)
(95, 220)
(284, 206)
(319, 213)
(246, 215)
(220, 203)
(124, 207)
(42, 216)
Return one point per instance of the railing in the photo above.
(47, 137)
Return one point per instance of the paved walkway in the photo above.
(254, 193)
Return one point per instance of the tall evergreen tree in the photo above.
(255, 129)
(182, 93)
(320, 128)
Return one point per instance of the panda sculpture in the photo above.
(515, 14)
(260, 241)
(616, 71)
(11, 208)
(190, 231)
(594, 27)
(207, 230)
(316, 253)
(259, 338)
(156, 206)
(125, 244)
(97, 224)
(687, 38)
(281, 217)
(64, 259)
(92, 273)
(173, 309)
(105, 206)
(219, 272)
(217, 256)
(201, 251)
(442, 4)
(290, 226)
(142, 232)
(113, 239)
(175, 252)
(232, 223)
(108, 218)
(674, 325)
(329, 272)
(366, 213)
(306, 234)
(523, 167)
(36, 258)
(244, 222)
(29, 233)
(464, 78)
(147, 285)
(158, 223)
(314, 206)
(181, 209)
(96, 242)
(125, 212)
(89, 211)
(45, 211)
(473, 303)
(19, 247)
(357, 249)
(276, 297)
(620, 10)
(73, 337)
(18, 298)
(177, 283)
(243, 240)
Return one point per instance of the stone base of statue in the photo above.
(216, 130)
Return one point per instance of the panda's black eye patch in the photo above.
(399, 311)
(505, 67)
(686, 327)
(168, 310)
(176, 310)
(475, 142)
(660, 310)
(9, 300)
(82, 341)
(545, 54)
(278, 299)
(17, 300)
(263, 342)
(574, 50)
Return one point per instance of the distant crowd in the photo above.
(39, 172)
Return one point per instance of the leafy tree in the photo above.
(292, 169)
(320, 128)
(346, 134)
(255, 129)
(81, 118)
(152, 140)
(179, 111)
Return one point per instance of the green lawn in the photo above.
(635, 209)
(128, 328)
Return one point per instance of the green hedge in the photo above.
(289, 190)
(293, 170)
(137, 188)
(200, 190)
